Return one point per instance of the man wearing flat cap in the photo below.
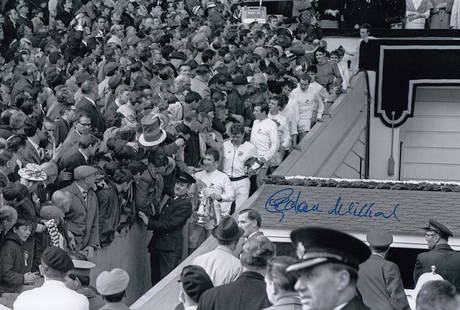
(379, 280)
(221, 264)
(82, 218)
(167, 223)
(53, 294)
(112, 286)
(441, 255)
(328, 268)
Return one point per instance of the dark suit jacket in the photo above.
(29, 155)
(380, 285)
(72, 161)
(148, 189)
(167, 227)
(356, 304)
(446, 260)
(82, 218)
(245, 293)
(97, 120)
(62, 130)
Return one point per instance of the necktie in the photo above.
(85, 196)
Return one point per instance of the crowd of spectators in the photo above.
(106, 104)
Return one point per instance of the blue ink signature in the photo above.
(280, 203)
(285, 200)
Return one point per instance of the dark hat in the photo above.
(57, 259)
(195, 281)
(184, 177)
(114, 81)
(319, 245)
(152, 131)
(82, 172)
(439, 228)
(379, 238)
(227, 230)
(110, 68)
(240, 80)
(178, 55)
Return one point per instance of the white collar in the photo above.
(36, 147)
(86, 157)
(90, 100)
(253, 234)
(341, 306)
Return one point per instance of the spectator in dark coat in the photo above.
(13, 269)
(249, 288)
(87, 104)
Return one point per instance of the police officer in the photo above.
(328, 268)
(441, 255)
(165, 247)
(379, 280)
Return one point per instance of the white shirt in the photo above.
(284, 135)
(52, 295)
(308, 102)
(220, 264)
(235, 157)
(264, 136)
(219, 183)
(291, 112)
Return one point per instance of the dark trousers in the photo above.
(161, 264)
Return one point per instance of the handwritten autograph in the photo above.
(286, 200)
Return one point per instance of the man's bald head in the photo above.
(62, 200)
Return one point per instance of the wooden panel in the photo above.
(423, 108)
(437, 94)
(352, 160)
(346, 172)
(431, 149)
(434, 123)
(431, 172)
(432, 155)
(359, 148)
(432, 139)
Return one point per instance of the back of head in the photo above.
(56, 263)
(256, 252)
(195, 281)
(438, 294)
(276, 272)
